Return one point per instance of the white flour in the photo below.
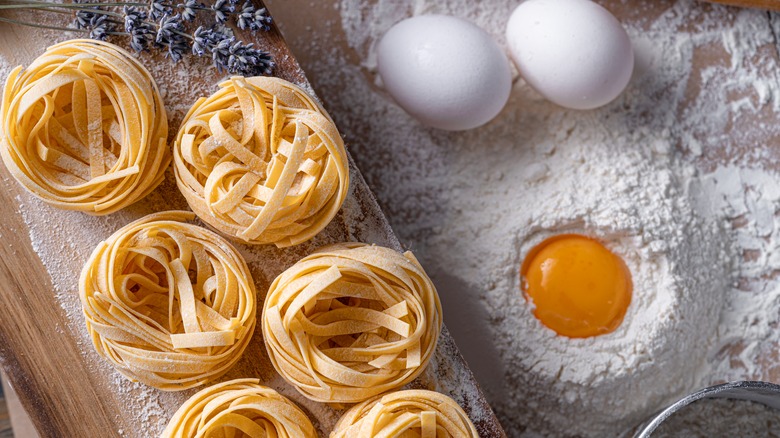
(746, 419)
(674, 176)
(64, 240)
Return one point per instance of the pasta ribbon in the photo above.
(418, 413)
(84, 128)
(351, 321)
(239, 408)
(168, 303)
(262, 162)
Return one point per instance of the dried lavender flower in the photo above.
(98, 28)
(140, 39)
(191, 8)
(246, 60)
(86, 15)
(177, 49)
(222, 10)
(204, 40)
(201, 41)
(140, 30)
(169, 29)
(253, 18)
(158, 25)
(220, 52)
(158, 9)
(133, 18)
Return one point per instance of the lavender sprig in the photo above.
(159, 9)
(169, 29)
(86, 17)
(150, 23)
(204, 40)
(134, 17)
(190, 9)
(94, 19)
(177, 49)
(99, 27)
(138, 28)
(223, 9)
(246, 60)
(252, 18)
(230, 55)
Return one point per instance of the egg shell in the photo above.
(445, 71)
(573, 52)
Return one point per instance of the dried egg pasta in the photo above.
(261, 161)
(239, 408)
(418, 413)
(84, 127)
(351, 321)
(168, 303)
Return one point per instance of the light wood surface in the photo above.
(5, 416)
(763, 4)
(19, 424)
(45, 361)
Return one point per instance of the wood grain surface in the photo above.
(45, 361)
(5, 417)
(763, 4)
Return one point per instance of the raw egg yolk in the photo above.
(578, 287)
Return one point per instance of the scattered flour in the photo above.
(678, 176)
(747, 419)
(64, 240)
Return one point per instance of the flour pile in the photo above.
(64, 240)
(678, 177)
(744, 419)
(675, 177)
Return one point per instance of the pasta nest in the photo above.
(84, 128)
(236, 408)
(168, 303)
(351, 321)
(406, 413)
(261, 161)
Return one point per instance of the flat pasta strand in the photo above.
(84, 128)
(262, 162)
(351, 321)
(239, 408)
(168, 303)
(418, 413)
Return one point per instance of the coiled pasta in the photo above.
(421, 413)
(351, 321)
(168, 303)
(84, 127)
(262, 162)
(239, 408)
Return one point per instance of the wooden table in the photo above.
(42, 351)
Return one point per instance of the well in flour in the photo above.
(456, 199)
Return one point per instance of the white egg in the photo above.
(444, 71)
(574, 52)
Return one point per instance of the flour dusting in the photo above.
(677, 176)
(748, 419)
(64, 241)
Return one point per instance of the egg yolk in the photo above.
(578, 287)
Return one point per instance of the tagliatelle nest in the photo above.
(239, 408)
(84, 127)
(406, 413)
(261, 161)
(168, 303)
(351, 321)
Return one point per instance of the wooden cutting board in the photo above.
(763, 4)
(43, 350)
